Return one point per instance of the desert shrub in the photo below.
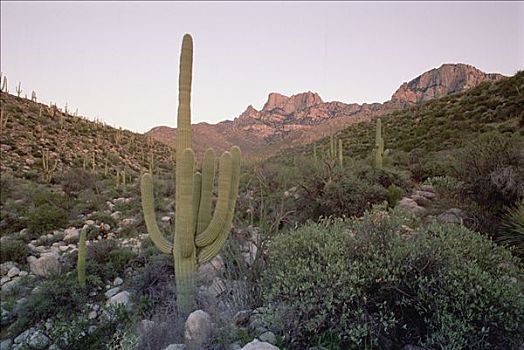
(120, 258)
(394, 195)
(153, 284)
(513, 229)
(337, 194)
(58, 294)
(105, 218)
(374, 281)
(46, 217)
(75, 180)
(99, 251)
(492, 169)
(13, 250)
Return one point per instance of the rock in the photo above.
(411, 206)
(30, 258)
(90, 222)
(268, 337)
(234, 346)
(39, 340)
(71, 235)
(208, 271)
(8, 287)
(217, 287)
(45, 265)
(112, 292)
(91, 329)
(412, 347)
(14, 271)
(128, 222)
(258, 345)
(23, 273)
(23, 337)
(146, 326)
(116, 215)
(63, 248)
(426, 194)
(118, 281)
(176, 347)
(122, 298)
(5, 267)
(53, 347)
(420, 200)
(92, 315)
(427, 188)
(452, 216)
(4, 280)
(241, 318)
(198, 329)
(6, 344)
(5, 317)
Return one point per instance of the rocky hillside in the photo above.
(303, 118)
(438, 125)
(35, 136)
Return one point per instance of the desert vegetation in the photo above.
(404, 232)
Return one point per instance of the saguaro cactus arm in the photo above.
(221, 210)
(148, 206)
(205, 205)
(183, 139)
(81, 262)
(208, 252)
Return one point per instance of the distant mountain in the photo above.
(303, 118)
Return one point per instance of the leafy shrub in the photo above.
(120, 258)
(13, 250)
(492, 169)
(513, 229)
(378, 282)
(46, 217)
(76, 180)
(58, 294)
(337, 194)
(394, 195)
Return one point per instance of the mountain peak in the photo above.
(446, 79)
(291, 104)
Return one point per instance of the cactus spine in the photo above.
(81, 262)
(199, 236)
(379, 145)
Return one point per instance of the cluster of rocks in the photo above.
(199, 331)
(420, 200)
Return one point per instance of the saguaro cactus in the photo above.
(5, 88)
(379, 145)
(198, 235)
(18, 89)
(81, 262)
(340, 153)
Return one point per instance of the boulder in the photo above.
(71, 235)
(199, 328)
(38, 340)
(259, 345)
(411, 206)
(45, 265)
(176, 347)
(113, 291)
(14, 271)
(122, 298)
(452, 216)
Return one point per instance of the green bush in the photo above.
(374, 281)
(394, 195)
(58, 294)
(120, 258)
(46, 217)
(513, 229)
(13, 250)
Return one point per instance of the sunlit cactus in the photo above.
(199, 235)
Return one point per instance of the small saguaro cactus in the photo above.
(47, 168)
(340, 153)
(18, 89)
(81, 261)
(198, 235)
(4, 85)
(379, 145)
(33, 96)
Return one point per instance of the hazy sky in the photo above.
(119, 60)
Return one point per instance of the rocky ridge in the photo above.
(303, 118)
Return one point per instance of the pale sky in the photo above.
(119, 60)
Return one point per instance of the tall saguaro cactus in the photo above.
(379, 145)
(199, 235)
